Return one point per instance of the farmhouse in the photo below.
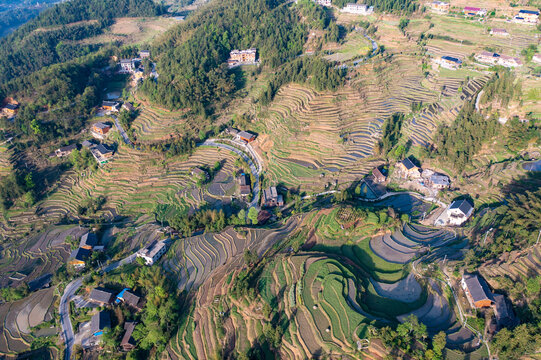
(101, 296)
(361, 9)
(528, 17)
(244, 184)
(110, 106)
(440, 7)
(474, 11)
(100, 322)
(10, 109)
(378, 175)
(99, 130)
(128, 343)
(537, 58)
(88, 241)
(127, 65)
(477, 292)
(439, 181)
(409, 169)
(459, 212)
(499, 32)
(78, 257)
(503, 313)
(153, 252)
(102, 153)
(496, 59)
(65, 150)
(240, 57)
(323, 2)
(449, 62)
(231, 131)
(144, 54)
(128, 298)
(246, 136)
(271, 197)
(128, 106)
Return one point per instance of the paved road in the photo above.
(253, 168)
(69, 292)
(121, 131)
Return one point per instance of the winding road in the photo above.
(69, 292)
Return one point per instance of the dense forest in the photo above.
(457, 143)
(31, 47)
(192, 64)
(392, 131)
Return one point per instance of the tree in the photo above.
(438, 344)
(252, 215)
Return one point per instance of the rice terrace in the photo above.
(253, 179)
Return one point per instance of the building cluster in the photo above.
(116, 106)
(101, 321)
(448, 62)
(360, 9)
(10, 108)
(474, 11)
(244, 136)
(326, 3)
(491, 58)
(153, 252)
(527, 17)
(103, 153)
(88, 243)
(479, 296)
(425, 177)
(499, 32)
(135, 68)
(242, 57)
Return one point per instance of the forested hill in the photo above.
(32, 47)
(192, 56)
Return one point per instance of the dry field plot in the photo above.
(133, 30)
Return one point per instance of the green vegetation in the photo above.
(392, 132)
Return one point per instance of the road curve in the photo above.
(69, 291)
(253, 168)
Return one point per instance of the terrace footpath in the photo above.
(69, 292)
(121, 131)
(255, 169)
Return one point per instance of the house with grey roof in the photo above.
(101, 296)
(477, 291)
(459, 212)
(99, 322)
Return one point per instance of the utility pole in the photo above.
(486, 234)
(538, 236)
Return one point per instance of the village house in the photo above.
(361, 9)
(10, 109)
(528, 17)
(65, 150)
(439, 181)
(127, 65)
(128, 343)
(499, 32)
(408, 169)
(128, 298)
(440, 7)
(477, 291)
(271, 197)
(101, 296)
(153, 252)
(88, 241)
(100, 322)
(244, 184)
(240, 57)
(110, 106)
(102, 153)
(232, 131)
(474, 11)
(144, 54)
(246, 136)
(509, 61)
(459, 212)
(496, 59)
(537, 58)
(323, 2)
(78, 257)
(503, 312)
(128, 106)
(378, 175)
(449, 62)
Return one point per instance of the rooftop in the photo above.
(452, 59)
(100, 321)
(153, 248)
(127, 339)
(408, 164)
(89, 239)
(101, 295)
(104, 149)
(101, 125)
(463, 205)
(477, 288)
(80, 254)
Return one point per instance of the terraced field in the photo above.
(133, 182)
(19, 317)
(39, 254)
(516, 266)
(157, 124)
